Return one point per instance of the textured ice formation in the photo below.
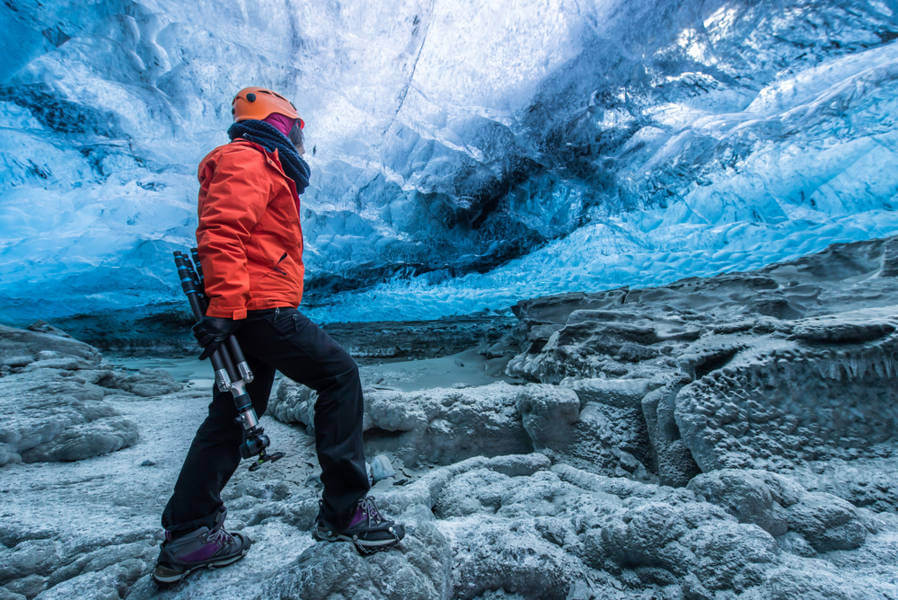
(465, 155)
(785, 369)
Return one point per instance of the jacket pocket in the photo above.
(287, 321)
(278, 266)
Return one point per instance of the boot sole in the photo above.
(166, 580)
(363, 546)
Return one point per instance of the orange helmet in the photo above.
(259, 103)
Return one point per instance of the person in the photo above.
(250, 246)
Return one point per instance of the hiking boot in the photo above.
(367, 529)
(200, 549)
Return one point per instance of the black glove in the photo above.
(212, 332)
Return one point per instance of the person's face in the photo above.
(296, 138)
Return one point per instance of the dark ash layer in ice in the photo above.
(164, 329)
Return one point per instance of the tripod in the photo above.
(232, 372)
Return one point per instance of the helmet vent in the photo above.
(251, 97)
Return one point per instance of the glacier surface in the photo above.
(465, 154)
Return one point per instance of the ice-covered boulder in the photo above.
(797, 518)
(440, 426)
(52, 387)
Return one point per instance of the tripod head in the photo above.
(256, 444)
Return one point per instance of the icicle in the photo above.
(834, 370)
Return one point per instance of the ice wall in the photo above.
(465, 154)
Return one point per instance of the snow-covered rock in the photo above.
(52, 391)
(521, 489)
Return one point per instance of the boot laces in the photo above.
(368, 507)
(219, 536)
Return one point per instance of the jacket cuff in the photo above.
(225, 312)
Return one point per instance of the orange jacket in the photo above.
(249, 237)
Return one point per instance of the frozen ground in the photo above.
(729, 438)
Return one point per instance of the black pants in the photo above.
(285, 340)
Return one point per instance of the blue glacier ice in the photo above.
(465, 154)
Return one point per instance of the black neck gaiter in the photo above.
(268, 136)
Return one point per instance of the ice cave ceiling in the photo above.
(464, 154)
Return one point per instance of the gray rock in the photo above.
(672, 459)
(607, 533)
(600, 343)
(692, 538)
(85, 440)
(602, 437)
(747, 496)
(16, 360)
(148, 383)
(55, 409)
(102, 584)
(499, 595)
(619, 393)
(42, 342)
(29, 557)
(10, 595)
(420, 569)
(827, 522)
(841, 329)
(548, 414)
(29, 586)
(782, 507)
(869, 482)
(512, 557)
(823, 583)
(293, 403)
(58, 419)
(445, 425)
(438, 426)
(67, 363)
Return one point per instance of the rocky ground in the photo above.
(723, 438)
